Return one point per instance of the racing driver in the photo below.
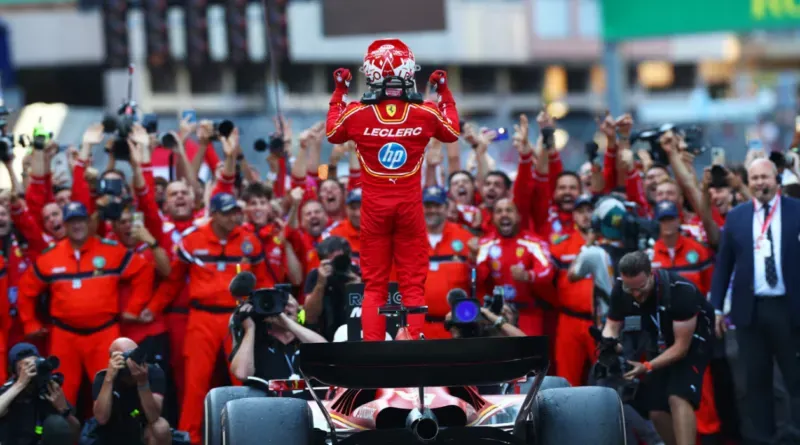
(391, 127)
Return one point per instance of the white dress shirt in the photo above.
(760, 285)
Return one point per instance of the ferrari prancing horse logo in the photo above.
(391, 109)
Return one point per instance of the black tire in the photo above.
(584, 415)
(275, 420)
(214, 404)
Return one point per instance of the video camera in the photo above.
(692, 135)
(45, 375)
(465, 311)
(617, 221)
(611, 367)
(266, 302)
(121, 124)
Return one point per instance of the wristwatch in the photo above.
(500, 321)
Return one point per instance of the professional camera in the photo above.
(617, 221)
(591, 149)
(465, 311)
(222, 128)
(120, 126)
(114, 188)
(45, 375)
(611, 367)
(266, 302)
(691, 134)
(341, 263)
(275, 144)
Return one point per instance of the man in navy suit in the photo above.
(760, 249)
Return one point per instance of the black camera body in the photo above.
(692, 135)
(223, 129)
(114, 188)
(6, 138)
(120, 126)
(611, 367)
(45, 374)
(465, 311)
(631, 230)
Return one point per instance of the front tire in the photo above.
(584, 415)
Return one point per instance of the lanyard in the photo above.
(657, 318)
(288, 361)
(768, 220)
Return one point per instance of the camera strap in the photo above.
(663, 298)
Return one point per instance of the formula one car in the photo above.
(416, 392)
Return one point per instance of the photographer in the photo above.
(32, 405)
(128, 399)
(489, 324)
(325, 303)
(671, 324)
(269, 346)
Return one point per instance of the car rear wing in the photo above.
(419, 363)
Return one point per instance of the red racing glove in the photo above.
(342, 78)
(439, 81)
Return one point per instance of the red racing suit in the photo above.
(390, 138)
(497, 255)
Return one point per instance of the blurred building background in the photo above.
(728, 65)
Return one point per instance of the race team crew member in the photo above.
(575, 349)
(16, 262)
(391, 136)
(349, 228)
(82, 273)
(210, 256)
(5, 318)
(679, 253)
(448, 266)
(520, 263)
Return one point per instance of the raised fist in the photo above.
(342, 78)
(439, 80)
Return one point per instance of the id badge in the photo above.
(662, 345)
(76, 284)
(221, 266)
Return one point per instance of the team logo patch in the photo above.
(247, 247)
(98, 262)
(495, 252)
(692, 257)
(17, 252)
(276, 240)
(457, 245)
(520, 252)
(392, 156)
(495, 265)
(391, 110)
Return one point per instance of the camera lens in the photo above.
(260, 145)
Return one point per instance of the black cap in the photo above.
(21, 351)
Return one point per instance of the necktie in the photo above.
(769, 262)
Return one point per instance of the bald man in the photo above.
(128, 399)
(760, 249)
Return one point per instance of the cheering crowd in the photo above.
(113, 267)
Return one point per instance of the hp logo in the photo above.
(392, 156)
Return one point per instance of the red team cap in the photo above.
(388, 57)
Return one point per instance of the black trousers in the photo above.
(771, 338)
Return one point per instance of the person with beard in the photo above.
(350, 228)
(209, 257)
(759, 252)
(688, 258)
(574, 347)
(325, 297)
(496, 186)
(449, 266)
(82, 274)
(519, 262)
(331, 195)
(39, 237)
(282, 262)
(305, 234)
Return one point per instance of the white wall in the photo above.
(55, 37)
